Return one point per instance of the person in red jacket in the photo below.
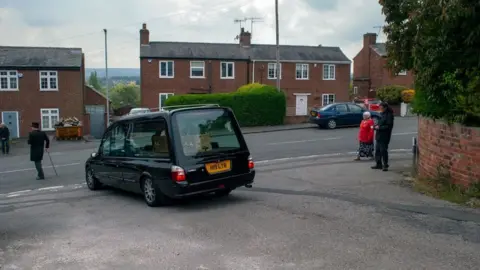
(365, 137)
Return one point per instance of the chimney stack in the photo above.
(245, 38)
(144, 35)
(369, 39)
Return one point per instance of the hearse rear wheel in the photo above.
(152, 195)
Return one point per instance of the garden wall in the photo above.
(452, 149)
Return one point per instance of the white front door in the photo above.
(301, 105)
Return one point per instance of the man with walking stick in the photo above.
(38, 140)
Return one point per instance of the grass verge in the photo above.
(450, 192)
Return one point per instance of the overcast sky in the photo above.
(67, 23)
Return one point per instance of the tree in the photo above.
(94, 82)
(438, 41)
(125, 94)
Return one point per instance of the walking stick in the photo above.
(53, 165)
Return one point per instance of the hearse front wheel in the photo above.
(92, 181)
(152, 195)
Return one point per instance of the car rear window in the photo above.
(327, 107)
(203, 132)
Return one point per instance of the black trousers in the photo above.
(38, 166)
(5, 146)
(381, 153)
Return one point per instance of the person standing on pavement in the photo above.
(365, 137)
(38, 141)
(384, 129)
(5, 139)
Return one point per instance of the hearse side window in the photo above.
(113, 144)
(106, 144)
(206, 131)
(117, 141)
(148, 139)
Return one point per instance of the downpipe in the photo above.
(415, 153)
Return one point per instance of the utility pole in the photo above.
(106, 79)
(278, 45)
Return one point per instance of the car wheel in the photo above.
(92, 181)
(152, 195)
(223, 192)
(332, 124)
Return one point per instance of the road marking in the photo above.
(319, 156)
(332, 138)
(50, 188)
(404, 133)
(303, 141)
(45, 167)
(19, 192)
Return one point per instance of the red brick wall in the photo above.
(29, 99)
(454, 147)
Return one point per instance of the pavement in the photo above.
(311, 207)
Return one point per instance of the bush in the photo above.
(392, 94)
(253, 104)
(408, 95)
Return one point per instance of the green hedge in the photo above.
(253, 104)
(392, 94)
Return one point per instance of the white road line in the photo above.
(45, 167)
(50, 188)
(303, 141)
(404, 133)
(319, 156)
(19, 192)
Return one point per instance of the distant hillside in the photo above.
(114, 72)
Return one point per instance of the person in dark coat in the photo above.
(384, 129)
(5, 139)
(38, 141)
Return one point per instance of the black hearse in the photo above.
(175, 153)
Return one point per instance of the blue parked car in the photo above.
(340, 115)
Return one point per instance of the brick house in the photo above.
(43, 85)
(310, 75)
(370, 71)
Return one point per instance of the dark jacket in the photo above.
(385, 127)
(37, 140)
(5, 133)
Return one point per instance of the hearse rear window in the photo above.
(204, 132)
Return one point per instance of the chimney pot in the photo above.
(144, 35)
(245, 38)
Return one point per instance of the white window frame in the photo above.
(9, 78)
(355, 90)
(48, 77)
(166, 72)
(302, 68)
(327, 75)
(328, 98)
(160, 99)
(402, 73)
(203, 70)
(225, 76)
(275, 72)
(51, 125)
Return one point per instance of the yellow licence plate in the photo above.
(219, 167)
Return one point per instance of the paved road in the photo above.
(327, 213)
(17, 172)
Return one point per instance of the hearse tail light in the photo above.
(178, 174)
(251, 164)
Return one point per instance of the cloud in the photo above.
(81, 23)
